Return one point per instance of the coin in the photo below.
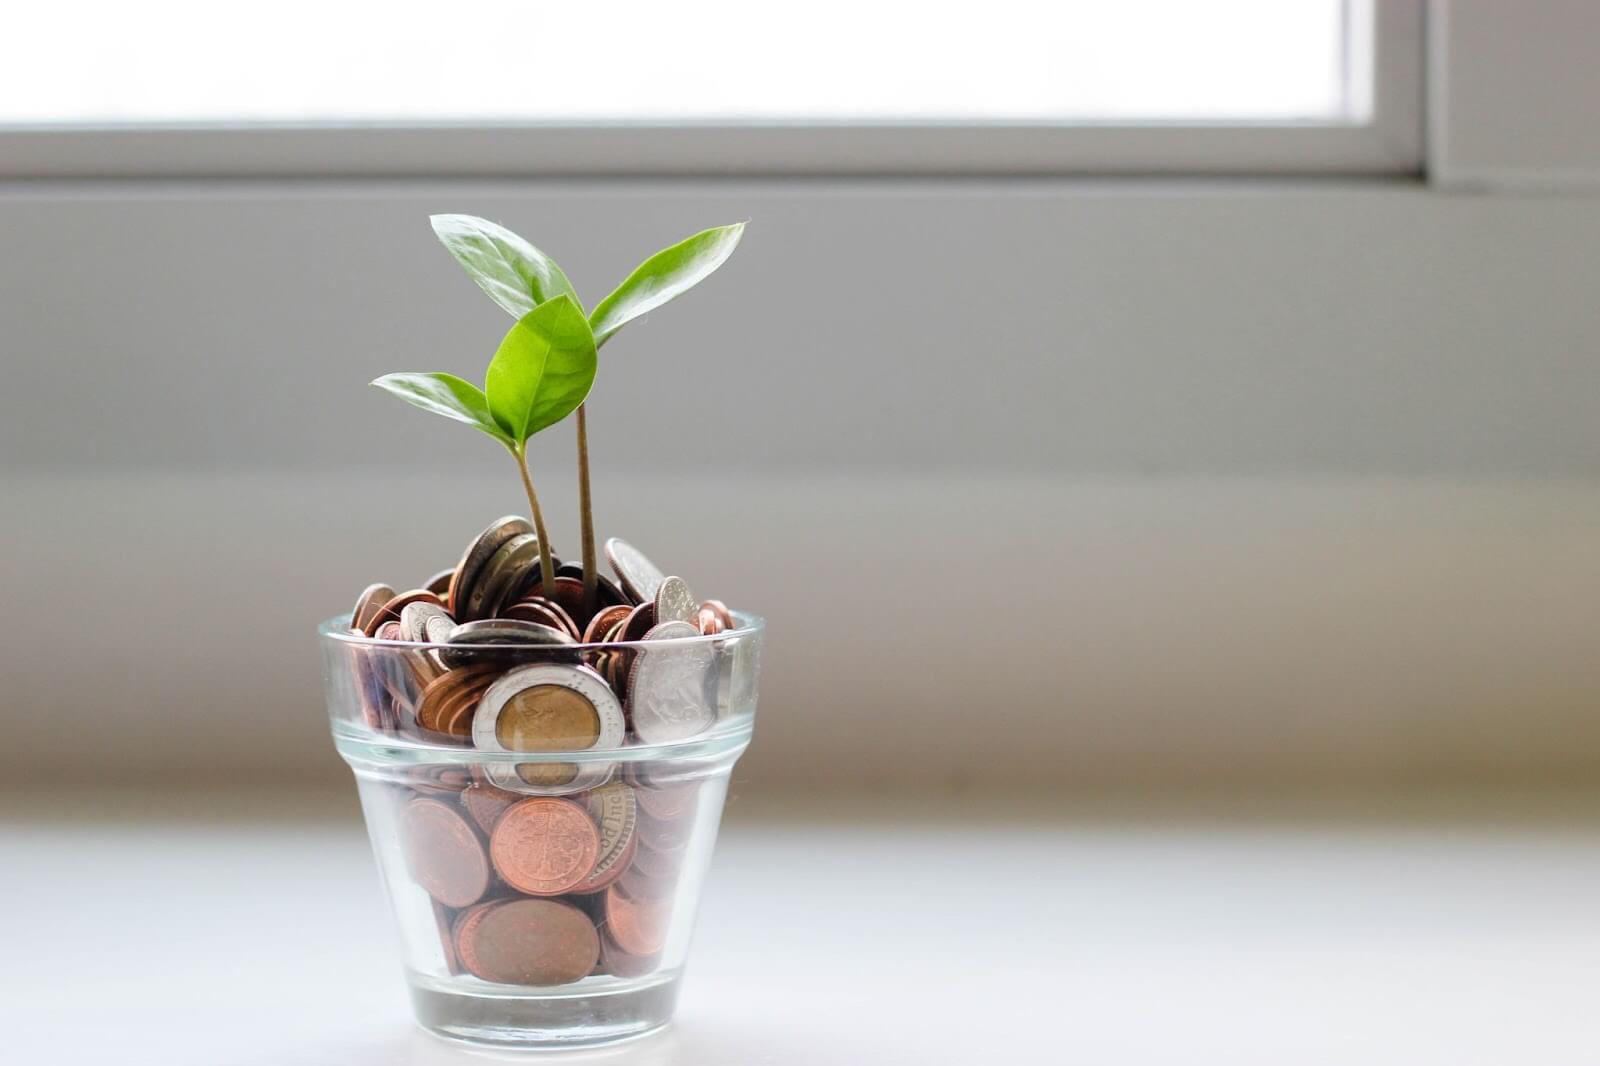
(372, 597)
(544, 846)
(544, 612)
(639, 576)
(638, 927)
(640, 622)
(638, 885)
(390, 611)
(664, 834)
(532, 942)
(622, 964)
(485, 803)
(497, 631)
(425, 622)
(669, 695)
(483, 546)
(443, 853)
(607, 594)
(568, 595)
(674, 602)
(443, 692)
(549, 707)
(720, 609)
(463, 931)
(708, 622)
(606, 619)
(668, 801)
(439, 584)
(505, 570)
(613, 809)
(655, 863)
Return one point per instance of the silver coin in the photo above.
(507, 631)
(506, 569)
(639, 576)
(581, 680)
(415, 619)
(674, 601)
(670, 688)
(478, 553)
(490, 631)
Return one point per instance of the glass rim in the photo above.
(337, 629)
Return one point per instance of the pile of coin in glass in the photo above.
(542, 873)
(549, 890)
(492, 607)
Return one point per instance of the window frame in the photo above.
(1390, 140)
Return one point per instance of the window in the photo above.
(714, 85)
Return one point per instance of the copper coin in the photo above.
(456, 719)
(604, 621)
(483, 546)
(388, 631)
(502, 574)
(720, 609)
(390, 611)
(620, 963)
(443, 853)
(613, 809)
(544, 846)
(532, 942)
(641, 621)
(463, 932)
(372, 597)
(707, 621)
(447, 687)
(637, 884)
(542, 611)
(485, 803)
(439, 584)
(662, 865)
(638, 927)
(568, 594)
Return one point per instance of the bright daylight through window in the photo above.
(829, 61)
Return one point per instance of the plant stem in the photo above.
(547, 568)
(591, 573)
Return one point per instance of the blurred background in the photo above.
(1142, 407)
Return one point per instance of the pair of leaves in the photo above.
(539, 375)
(519, 277)
(546, 363)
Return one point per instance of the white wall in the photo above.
(1256, 480)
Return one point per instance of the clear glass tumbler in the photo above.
(543, 859)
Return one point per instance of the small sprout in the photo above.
(546, 364)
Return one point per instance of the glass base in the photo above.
(582, 1015)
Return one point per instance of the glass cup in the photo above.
(542, 817)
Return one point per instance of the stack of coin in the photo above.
(546, 890)
(481, 621)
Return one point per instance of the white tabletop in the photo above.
(192, 931)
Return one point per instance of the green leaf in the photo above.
(514, 273)
(663, 276)
(445, 394)
(543, 369)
